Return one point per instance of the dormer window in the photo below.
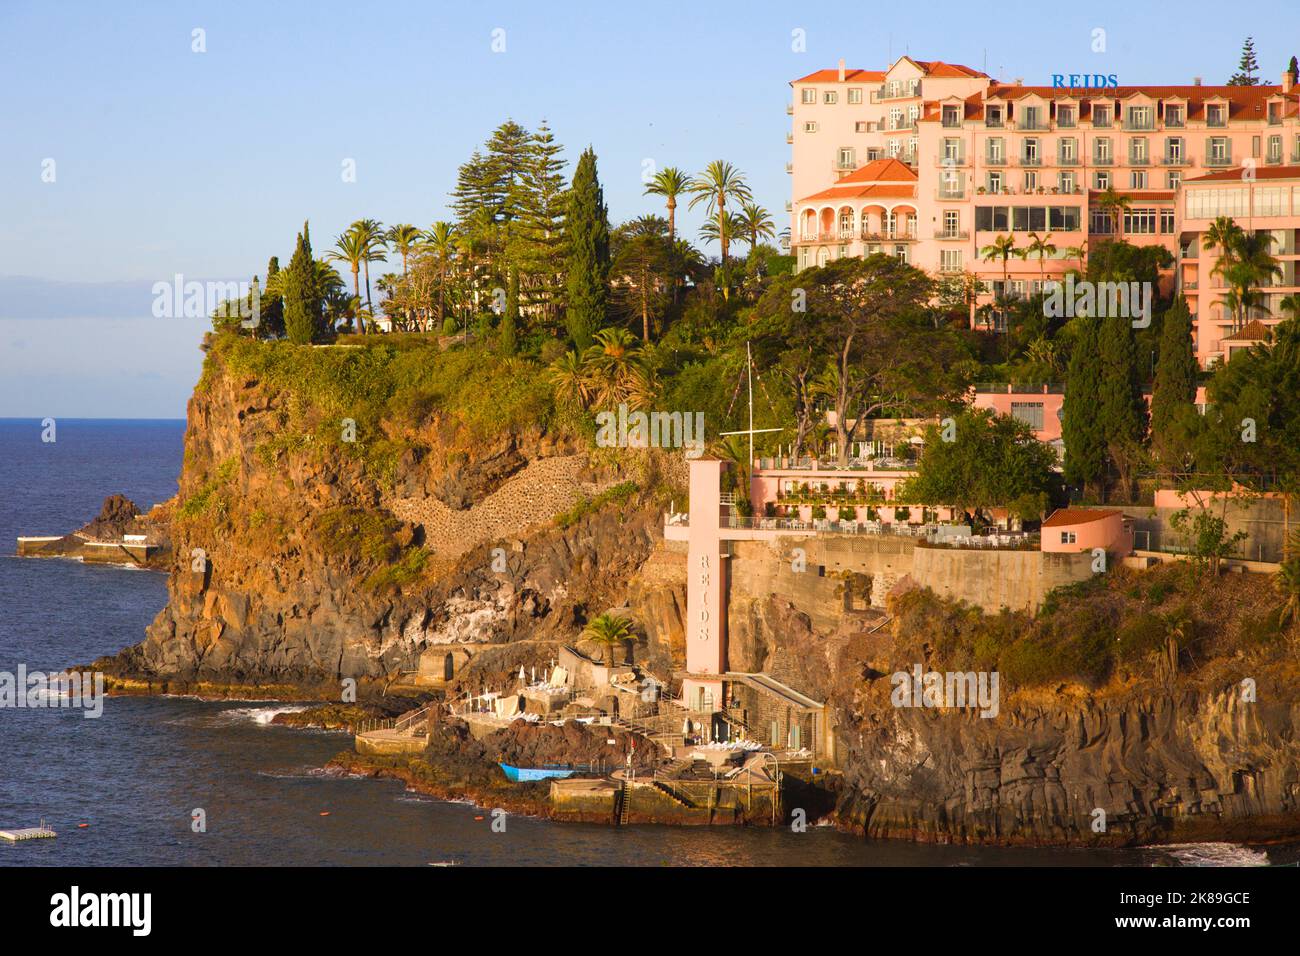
(1216, 114)
(951, 117)
(993, 116)
(1174, 116)
(1065, 116)
(1274, 113)
(1101, 115)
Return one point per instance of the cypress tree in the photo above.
(301, 307)
(1121, 411)
(1174, 390)
(272, 305)
(1085, 445)
(588, 253)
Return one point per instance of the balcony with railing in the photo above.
(1139, 159)
(958, 192)
(1067, 160)
(958, 160)
(1175, 160)
(1218, 161)
(897, 234)
(1027, 160)
(1098, 160)
(951, 234)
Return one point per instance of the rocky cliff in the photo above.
(306, 554)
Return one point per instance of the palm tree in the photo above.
(709, 228)
(403, 238)
(1286, 580)
(350, 248)
(719, 182)
(1290, 305)
(1041, 248)
(371, 232)
(1245, 263)
(756, 223)
(570, 380)
(611, 365)
(1114, 204)
(1003, 247)
(443, 240)
(670, 182)
(609, 631)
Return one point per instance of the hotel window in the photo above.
(1137, 151)
(1218, 152)
(991, 218)
(1173, 150)
(1140, 222)
(1066, 182)
(830, 97)
(1271, 201)
(1174, 116)
(1274, 149)
(1254, 146)
(1063, 218)
(894, 148)
(1031, 117)
(855, 96)
(951, 220)
(1100, 115)
(993, 151)
(1137, 179)
(1173, 179)
(900, 253)
(1029, 154)
(1101, 179)
(950, 260)
(1141, 117)
(1274, 113)
(1031, 180)
(1031, 413)
(1167, 221)
(808, 96)
(861, 127)
(951, 116)
(1067, 150)
(952, 153)
(993, 116)
(995, 182)
(1216, 115)
(1099, 221)
(810, 126)
(874, 152)
(848, 158)
(1212, 203)
(1068, 537)
(895, 118)
(1101, 150)
(913, 114)
(1065, 117)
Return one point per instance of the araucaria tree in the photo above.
(588, 253)
(301, 298)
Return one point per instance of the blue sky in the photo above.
(169, 161)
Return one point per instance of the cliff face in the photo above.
(294, 566)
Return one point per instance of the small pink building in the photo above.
(1083, 529)
(1038, 406)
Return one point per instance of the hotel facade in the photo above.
(932, 161)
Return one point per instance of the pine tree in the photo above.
(1121, 411)
(537, 246)
(588, 252)
(1174, 391)
(1247, 67)
(301, 302)
(1085, 445)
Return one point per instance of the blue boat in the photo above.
(525, 774)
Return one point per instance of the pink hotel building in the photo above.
(932, 161)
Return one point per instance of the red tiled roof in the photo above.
(888, 170)
(1236, 174)
(1066, 516)
(940, 69)
(1252, 331)
(850, 76)
(1244, 102)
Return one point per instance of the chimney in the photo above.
(1020, 81)
(1288, 80)
(841, 69)
(1196, 81)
